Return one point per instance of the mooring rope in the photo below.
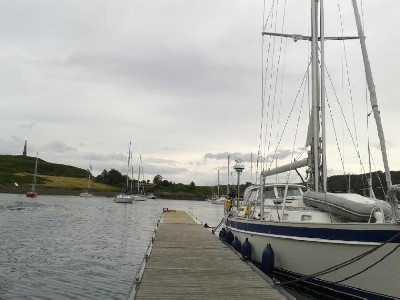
(346, 263)
(214, 228)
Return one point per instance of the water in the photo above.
(59, 247)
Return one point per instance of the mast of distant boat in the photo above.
(127, 170)
(218, 185)
(35, 175)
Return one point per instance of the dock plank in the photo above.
(188, 262)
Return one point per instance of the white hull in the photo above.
(139, 198)
(315, 250)
(122, 198)
(85, 195)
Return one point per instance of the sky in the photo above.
(180, 80)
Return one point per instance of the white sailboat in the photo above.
(345, 243)
(125, 197)
(218, 199)
(32, 193)
(140, 196)
(87, 194)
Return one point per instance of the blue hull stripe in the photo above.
(349, 235)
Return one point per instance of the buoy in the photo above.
(236, 244)
(229, 237)
(246, 249)
(268, 257)
(222, 233)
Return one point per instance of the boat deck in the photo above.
(188, 262)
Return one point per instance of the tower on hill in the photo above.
(24, 153)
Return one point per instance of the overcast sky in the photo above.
(180, 79)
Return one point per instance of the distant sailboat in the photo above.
(126, 197)
(32, 193)
(140, 196)
(87, 194)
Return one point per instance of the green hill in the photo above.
(16, 175)
(18, 169)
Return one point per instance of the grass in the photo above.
(65, 183)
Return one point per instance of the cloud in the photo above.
(28, 126)
(57, 147)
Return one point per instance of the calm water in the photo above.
(56, 247)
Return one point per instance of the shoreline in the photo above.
(111, 194)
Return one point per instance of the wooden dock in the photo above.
(188, 262)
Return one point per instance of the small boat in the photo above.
(86, 193)
(32, 193)
(353, 207)
(220, 200)
(126, 196)
(139, 197)
(123, 198)
(151, 196)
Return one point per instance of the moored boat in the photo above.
(85, 194)
(300, 233)
(123, 198)
(139, 197)
(32, 193)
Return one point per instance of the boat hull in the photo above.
(85, 195)
(31, 195)
(305, 249)
(139, 198)
(120, 198)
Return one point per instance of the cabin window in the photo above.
(290, 193)
(285, 217)
(280, 191)
(293, 192)
(306, 218)
(269, 193)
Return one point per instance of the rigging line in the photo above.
(377, 175)
(334, 131)
(345, 120)
(271, 75)
(276, 80)
(348, 78)
(291, 110)
(265, 22)
(366, 105)
(301, 153)
(262, 76)
(281, 91)
(362, 16)
(262, 80)
(297, 129)
(265, 78)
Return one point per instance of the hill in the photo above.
(16, 174)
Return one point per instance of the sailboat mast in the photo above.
(35, 175)
(227, 186)
(127, 169)
(372, 92)
(323, 126)
(218, 184)
(138, 185)
(315, 93)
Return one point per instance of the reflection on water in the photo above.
(71, 247)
